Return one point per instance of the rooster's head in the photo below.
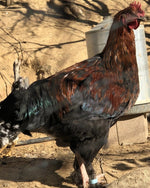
(131, 16)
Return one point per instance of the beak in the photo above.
(141, 18)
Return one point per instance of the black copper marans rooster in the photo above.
(79, 104)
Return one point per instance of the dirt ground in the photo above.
(47, 37)
(46, 165)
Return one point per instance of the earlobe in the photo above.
(123, 19)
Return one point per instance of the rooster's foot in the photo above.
(99, 181)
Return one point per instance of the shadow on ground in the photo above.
(31, 169)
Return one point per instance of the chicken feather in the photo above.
(79, 104)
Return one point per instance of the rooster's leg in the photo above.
(85, 177)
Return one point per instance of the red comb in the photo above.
(136, 4)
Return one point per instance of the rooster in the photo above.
(79, 104)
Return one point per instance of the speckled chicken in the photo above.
(79, 104)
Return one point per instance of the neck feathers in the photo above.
(120, 47)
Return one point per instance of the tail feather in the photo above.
(33, 107)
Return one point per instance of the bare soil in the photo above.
(48, 37)
(46, 165)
